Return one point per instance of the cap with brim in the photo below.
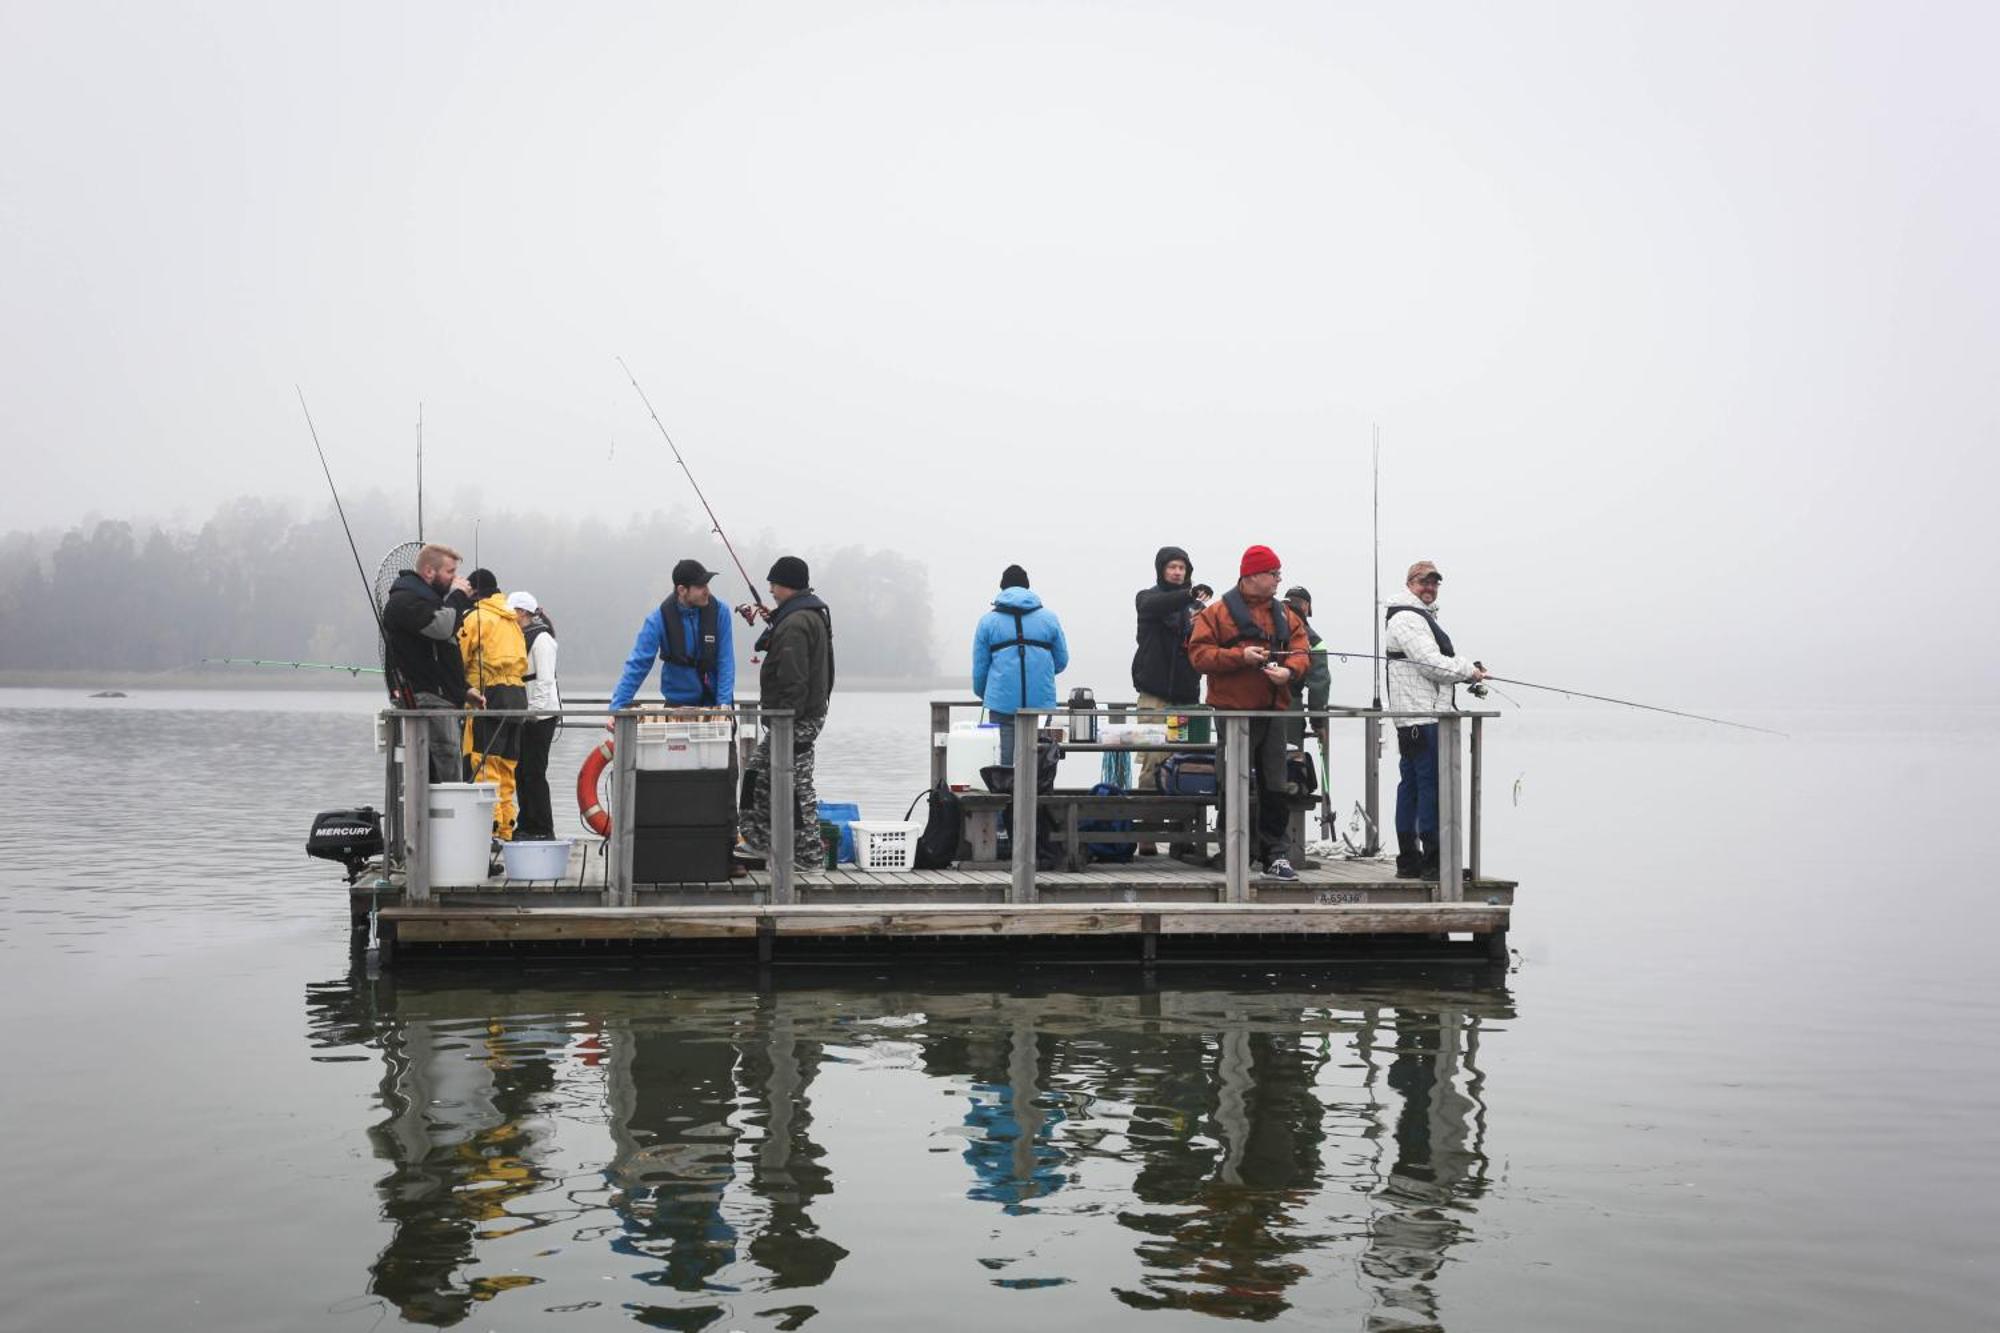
(523, 601)
(1420, 569)
(692, 574)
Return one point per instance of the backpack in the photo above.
(1108, 851)
(937, 845)
(1191, 774)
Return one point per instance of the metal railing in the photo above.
(1459, 791)
(409, 803)
(1459, 809)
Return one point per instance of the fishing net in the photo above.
(399, 559)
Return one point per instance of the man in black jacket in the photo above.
(797, 674)
(420, 624)
(1161, 672)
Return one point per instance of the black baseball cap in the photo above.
(692, 574)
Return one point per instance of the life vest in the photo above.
(1020, 643)
(673, 644)
(1279, 640)
(1442, 639)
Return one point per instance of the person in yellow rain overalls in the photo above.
(496, 660)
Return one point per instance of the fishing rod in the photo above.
(367, 587)
(420, 472)
(1578, 694)
(350, 668)
(715, 524)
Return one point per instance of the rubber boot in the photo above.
(1409, 856)
(1433, 855)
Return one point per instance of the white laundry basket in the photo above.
(885, 844)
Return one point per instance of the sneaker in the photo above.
(743, 851)
(1280, 868)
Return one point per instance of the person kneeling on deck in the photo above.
(1252, 650)
(798, 675)
(420, 628)
(697, 655)
(1422, 673)
(496, 662)
(1018, 650)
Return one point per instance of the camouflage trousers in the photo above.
(808, 849)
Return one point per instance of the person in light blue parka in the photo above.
(1017, 653)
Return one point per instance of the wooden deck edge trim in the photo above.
(446, 925)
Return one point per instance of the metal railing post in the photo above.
(784, 810)
(1027, 772)
(1478, 787)
(392, 796)
(417, 809)
(624, 809)
(940, 728)
(1236, 809)
(1371, 782)
(1451, 809)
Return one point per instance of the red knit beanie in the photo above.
(1259, 560)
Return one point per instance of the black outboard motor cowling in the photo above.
(351, 837)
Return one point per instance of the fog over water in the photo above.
(1676, 320)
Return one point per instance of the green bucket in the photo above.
(1198, 724)
(829, 833)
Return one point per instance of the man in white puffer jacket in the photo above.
(1422, 673)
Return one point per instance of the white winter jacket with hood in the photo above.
(1422, 684)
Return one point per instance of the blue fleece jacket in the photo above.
(997, 662)
(679, 684)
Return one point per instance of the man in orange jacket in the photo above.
(1253, 652)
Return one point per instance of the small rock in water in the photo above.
(109, 694)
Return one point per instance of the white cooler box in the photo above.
(676, 745)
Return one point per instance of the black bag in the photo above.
(1301, 774)
(944, 827)
(1000, 778)
(1191, 774)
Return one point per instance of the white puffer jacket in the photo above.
(1422, 684)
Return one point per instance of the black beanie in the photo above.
(1013, 577)
(791, 572)
(483, 582)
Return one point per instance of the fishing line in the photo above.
(367, 588)
(715, 524)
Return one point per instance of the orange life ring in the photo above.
(595, 817)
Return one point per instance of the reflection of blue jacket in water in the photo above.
(1011, 1172)
(1007, 675)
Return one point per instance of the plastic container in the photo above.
(460, 843)
(1198, 723)
(829, 835)
(536, 859)
(841, 814)
(678, 745)
(969, 747)
(885, 844)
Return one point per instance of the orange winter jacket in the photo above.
(1216, 649)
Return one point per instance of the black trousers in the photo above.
(538, 819)
(1272, 818)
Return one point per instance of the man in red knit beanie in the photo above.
(1253, 652)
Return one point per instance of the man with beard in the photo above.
(420, 633)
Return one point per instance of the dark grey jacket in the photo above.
(798, 657)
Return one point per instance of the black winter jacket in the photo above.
(1160, 666)
(422, 638)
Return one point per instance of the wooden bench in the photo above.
(1155, 817)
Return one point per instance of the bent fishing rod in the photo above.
(1575, 694)
(715, 524)
(367, 587)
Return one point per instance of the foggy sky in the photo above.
(1678, 321)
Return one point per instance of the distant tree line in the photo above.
(262, 579)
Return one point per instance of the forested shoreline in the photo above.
(266, 579)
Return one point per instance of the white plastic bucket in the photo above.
(461, 832)
(537, 859)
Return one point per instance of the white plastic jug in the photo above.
(969, 747)
(461, 832)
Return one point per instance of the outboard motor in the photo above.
(351, 837)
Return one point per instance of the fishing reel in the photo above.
(1477, 689)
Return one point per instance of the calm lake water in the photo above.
(1742, 1075)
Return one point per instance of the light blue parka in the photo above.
(1001, 668)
